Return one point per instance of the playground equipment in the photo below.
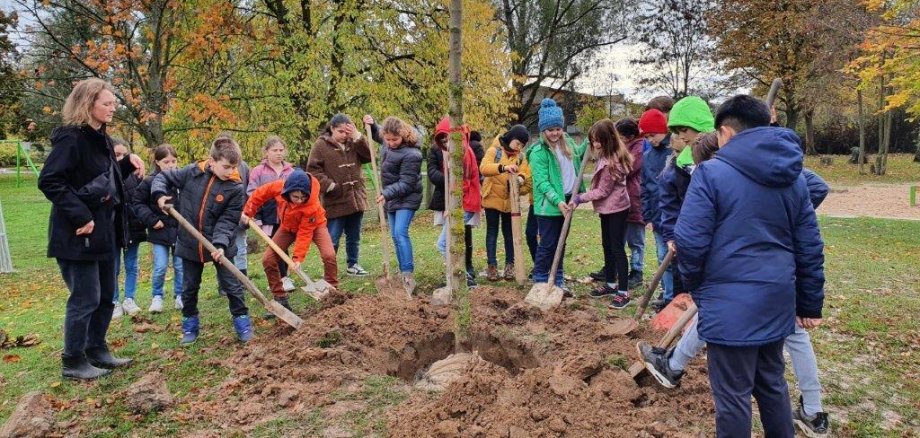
(22, 158)
(6, 260)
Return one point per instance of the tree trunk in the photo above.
(862, 131)
(881, 120)
(457, 270)
(917, 154)
(810, 133)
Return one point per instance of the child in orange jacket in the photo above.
(303, 220)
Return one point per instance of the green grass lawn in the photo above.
(867, 350)
(901, 169)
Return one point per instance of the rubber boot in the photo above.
(243, 327)
(102, 358)
(190, 329)
(79, 368)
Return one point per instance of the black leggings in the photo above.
(468, 240)
(613, 236)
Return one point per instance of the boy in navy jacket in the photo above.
(752, 256)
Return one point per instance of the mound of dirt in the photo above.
(529, 373)
(149, 394)
(33, 417)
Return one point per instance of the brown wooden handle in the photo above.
(557, 257)
(678, 327)
(520, 276)
(381, 214)
(281, 253)
(643, 305)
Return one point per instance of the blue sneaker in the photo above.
(243, 327)
(189, 330)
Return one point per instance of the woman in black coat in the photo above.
(85, 185)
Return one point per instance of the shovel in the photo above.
(546, 295)
(384, 282)
(316, 289)
(626, 326)
(272, 306)
(515, 193)
(637, 368)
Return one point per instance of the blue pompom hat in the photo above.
(550, 115)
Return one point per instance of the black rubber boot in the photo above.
(78, 368)
(102, 358)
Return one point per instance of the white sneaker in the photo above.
(156, 306)
(130, 307)
(178, 302)
(117, 312)
(287, 284)
(356, 270)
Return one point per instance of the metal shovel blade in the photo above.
(544, 296)
(623, 326)
(283, 313)
(317, 289)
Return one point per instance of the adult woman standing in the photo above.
(88, 225)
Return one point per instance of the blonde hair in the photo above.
(225, 147)
(395, 126)
(562, 142)
(79, 104)
(271, 141)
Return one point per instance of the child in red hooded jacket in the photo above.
(303, 220)
(472, 198)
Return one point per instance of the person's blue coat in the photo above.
(653, 162)
(817, 188)
(748, 241)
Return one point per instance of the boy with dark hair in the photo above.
(752, 256)
(211, 197)
(660, 103)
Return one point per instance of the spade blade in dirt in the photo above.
(317, 289)
(623, 326)
(441, 296)
(544, 296)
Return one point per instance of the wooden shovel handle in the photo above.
(381, 214)
(557, 257)
(274, 246)
(678, 326)
(653, 285)
(515, 194)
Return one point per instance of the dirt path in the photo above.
(890, 201)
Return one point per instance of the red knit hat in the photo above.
(653, 122)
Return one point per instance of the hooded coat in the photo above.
(748, 239)
(300, 219)
(496, 185)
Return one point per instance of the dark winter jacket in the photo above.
(436, 176)
(148, 213)
(634, 182)
(750, 249)
(84, 183)
(340, 167)
(653, 162)
(137, 232)
(478, 152)
(211, 205)
(672, 187)
(401, 178)
(817, 188)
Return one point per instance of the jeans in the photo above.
(351, 226)
(225, 280)
(467, 241)
(161, 264)
(667, 280)
(92, 287)
(399, 229)
(493, 218)
(240, 260)
(549, 229)
(736, 373)
(131, 271)
(613, 231)
(635, 238)
(531, 233)
(284, 239)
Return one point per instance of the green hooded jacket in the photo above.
(547, 176)
(694, 113)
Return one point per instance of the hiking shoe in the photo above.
(602, 291)
(177, 303)
(287, 284)
(492, 273)
(130, 307)
(243, 327)
(284, 302)
(356, 270)
(190, 329)
(619, 301)
(634, 280)
(470, 281)
(598, 276)
(656, 362)
(817, 425)
(509, 272)
(117, 312)
(156, 304)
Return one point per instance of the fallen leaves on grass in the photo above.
(12, 358)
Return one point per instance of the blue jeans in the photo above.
(667, 280)
(160, 265)
(399, 229)
(635, 239)
(131, 271)
(549, 229)
(351, 226)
